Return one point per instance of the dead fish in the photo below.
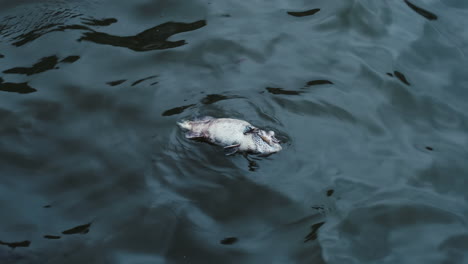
(233, 134)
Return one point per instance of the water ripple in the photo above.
(151, 39)
(368, 98)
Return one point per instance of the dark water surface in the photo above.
(370, 98)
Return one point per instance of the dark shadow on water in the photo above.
(22, 88)
(318, 82)
(117, 82)
(229, 240)
(273, 90)
(81, 229)
(144, 79)
(213, 98)
(176, 110)
(70, 59)
(114, 83)
(25, 243)
(99, 22)
(207, 100)
(44, 64)
(421, 11)
(252, 165)
(151, 39)
(401, 77)
(313, 232)
(282, 91)
(304, 13)
(51, 237)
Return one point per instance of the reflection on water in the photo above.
(368, 98)
(313, 232)
(114, 83)
(421, 11)
(98, 22)
(228, 240)
(150, 39)
(70, 59)
(176, 110)
(282, 91)
(51, 237)
(401, 77)
(207, 100)
(144, 79)
(273, 90)
(22, 88)
(44, 64)
(304, 13)
(81, 229)
(214, 98)
(13, 245)
(318, 82)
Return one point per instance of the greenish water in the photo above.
(369, 98)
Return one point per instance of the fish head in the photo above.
(272, 143)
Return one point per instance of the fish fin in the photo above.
(250, 129)
(192, 135)
(232, 149)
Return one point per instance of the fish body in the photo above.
(233, 134)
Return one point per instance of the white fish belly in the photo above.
(225, 131)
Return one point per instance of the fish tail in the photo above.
(185, 124)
